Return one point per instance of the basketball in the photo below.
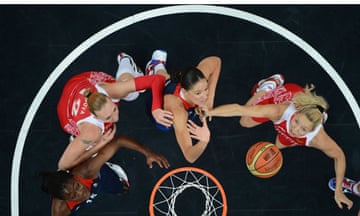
(264, 159)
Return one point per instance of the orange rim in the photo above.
(184, 169)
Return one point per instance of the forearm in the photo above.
(340, 167)
(213, 79)
(194, 152)
(76, 153)
(130, 143)
(156, 83)
(227, 110)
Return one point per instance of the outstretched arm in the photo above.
(155, 82)
(326, 144)
(93, 166)
(271, 111)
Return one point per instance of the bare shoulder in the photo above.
(172, 103)
(322, 140)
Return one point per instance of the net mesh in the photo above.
(175, 184)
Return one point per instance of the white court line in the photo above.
(181, 9)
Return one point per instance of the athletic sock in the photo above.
(267, 86)
(124, 67)
(355, 189)
(159, 67)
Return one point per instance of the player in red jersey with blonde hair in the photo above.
(88, 107)
(298, 115)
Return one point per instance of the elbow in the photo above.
(217, 59)
(62, 165)
(65, 164)
(246, 122)
(190, 160)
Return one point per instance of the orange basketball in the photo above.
(264, 159)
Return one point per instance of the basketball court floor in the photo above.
(43, 46)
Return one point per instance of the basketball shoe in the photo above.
(136, 71)
(119, 171)
(158, 57)
(269, 83)
(347, 185)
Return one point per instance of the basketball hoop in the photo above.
(172, 184)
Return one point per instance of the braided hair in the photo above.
(54, 183)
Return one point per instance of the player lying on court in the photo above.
(348, 186)
(298, 115)
(72, 190)
(185, 92)
(88, 107)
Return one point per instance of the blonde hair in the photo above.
(310, 104)
(95, 100)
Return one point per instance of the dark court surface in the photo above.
(35, 40)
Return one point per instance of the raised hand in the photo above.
(153, 157)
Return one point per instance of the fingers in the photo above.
(163, 117)
(349, 204)
(167, 114)
(163, 163)
(160, 160)
(167, 122)
(339, 205)
(203, 119)
(191, 125)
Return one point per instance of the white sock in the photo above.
(266, 86)
(159, 67)
(131, 96)
(355, 188)
(124, 67)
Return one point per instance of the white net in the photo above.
(171, 186)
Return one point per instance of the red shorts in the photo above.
(280, 95)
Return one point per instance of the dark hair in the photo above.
(187, 77)
(53, 183)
